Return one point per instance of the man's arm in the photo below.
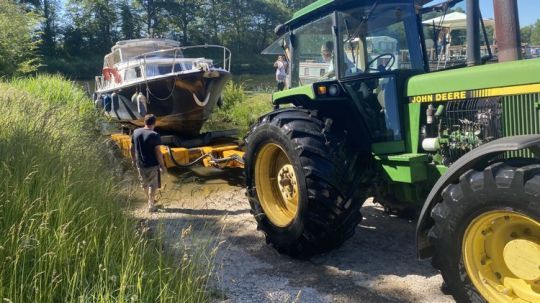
(132, 152)
(159, 157)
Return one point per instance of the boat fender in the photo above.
(107, 103)
(134, 97)
(114, 102)
(141, 104)
(99, 101)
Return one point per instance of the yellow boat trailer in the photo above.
(219, 156)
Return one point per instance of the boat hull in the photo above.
(181, 102)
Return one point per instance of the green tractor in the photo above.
(371, 112)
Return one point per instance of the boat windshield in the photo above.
(136, 50)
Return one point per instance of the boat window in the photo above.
(178, 67)
(151, 70)
(130, 74)
(116, 56)
(163, 69)
(313, 52)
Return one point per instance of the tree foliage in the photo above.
(90, 27)
(76, 37)
(18, 39)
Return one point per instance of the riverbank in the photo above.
(64, 236)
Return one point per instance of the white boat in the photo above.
(180, 85)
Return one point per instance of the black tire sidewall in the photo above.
(460, 216)
(265, 134)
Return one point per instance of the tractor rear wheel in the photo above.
(303, 181)
(487, 234)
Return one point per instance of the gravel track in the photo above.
(378, 264)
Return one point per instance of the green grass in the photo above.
(258, 83)
(63, 234)
(240, 109)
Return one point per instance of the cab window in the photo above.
(374, 39)
(314, 54)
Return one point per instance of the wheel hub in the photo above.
(522, 257)
(287, 182)
(501, 254)
(276, 184)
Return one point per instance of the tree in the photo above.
(153, 16)
(535, 33)
(181, 14)
(526, 33)
(49, 27)
(18, 39)
(130, 28)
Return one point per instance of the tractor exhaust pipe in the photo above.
(507, 30)
(473, 33)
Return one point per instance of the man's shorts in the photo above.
(149, 176)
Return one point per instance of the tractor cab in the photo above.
(356, 51)
(459, 147)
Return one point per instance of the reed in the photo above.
(63, 234)
(240, 109)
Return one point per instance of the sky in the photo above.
(528, 10)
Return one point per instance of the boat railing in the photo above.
(139, 66)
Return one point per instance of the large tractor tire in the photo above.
(487, 234)
(303, 181)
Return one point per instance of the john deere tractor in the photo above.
(380, 104)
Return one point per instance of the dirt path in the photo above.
(377, 265)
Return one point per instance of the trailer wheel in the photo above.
(303, 181)
(487, 234)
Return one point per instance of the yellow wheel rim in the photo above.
(501, 253)
(276, 184)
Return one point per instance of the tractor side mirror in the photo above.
(279, 30)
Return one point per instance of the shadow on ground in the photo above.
(378, 264)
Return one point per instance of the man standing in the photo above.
(147, 157)
(281, 72)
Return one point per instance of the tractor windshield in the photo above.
(375, 38)
(314, 55)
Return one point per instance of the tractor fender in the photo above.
(482, 153)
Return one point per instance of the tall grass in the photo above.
(63, 236)
(240, 108)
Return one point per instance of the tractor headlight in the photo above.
(333, 90)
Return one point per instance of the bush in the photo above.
(240, 109)
(63, 235)
(17, 40)
(233, 94)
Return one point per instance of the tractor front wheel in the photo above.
(303, 181)
(487, 234)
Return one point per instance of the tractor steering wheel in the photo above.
(385, 67)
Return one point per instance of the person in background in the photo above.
(147, 158)
(281, 72)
